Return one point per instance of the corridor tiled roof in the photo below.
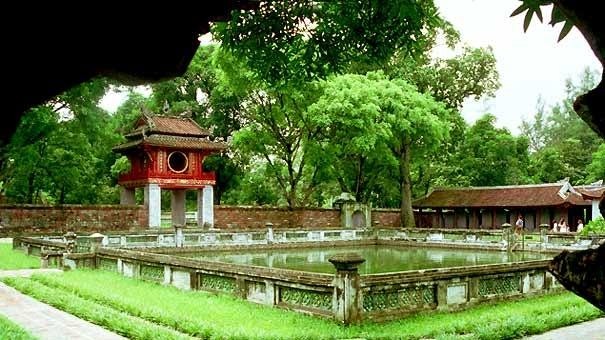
(540, 195)
(591, 192)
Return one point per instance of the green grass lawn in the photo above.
(8, 330)
(145, 310)
(14, 259)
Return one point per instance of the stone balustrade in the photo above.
(388, 296)
(345, 296)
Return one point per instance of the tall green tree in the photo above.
(61, 152)
(403, 124)
(353, 135)
(562, 143)
(280, 133)
(490, 156)
(297, 41)
(470, 74)
(596, 168)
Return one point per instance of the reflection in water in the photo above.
(379, 259)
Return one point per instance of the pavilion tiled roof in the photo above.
(171, 132)
(173, 142)
(540, 195)
(167, 125)
(590, 192)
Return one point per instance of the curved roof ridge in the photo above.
(500, 187)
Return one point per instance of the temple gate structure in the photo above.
(167, 153)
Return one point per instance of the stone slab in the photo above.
(46, 322)
(593, 330)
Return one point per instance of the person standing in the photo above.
(563, 226)
(580, 226)
(519, 224)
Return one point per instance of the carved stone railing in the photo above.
(388, 296)
(36, 246)
(488, 239)
(344, 296)
(193, 239)
(301, 291)
(199, 238)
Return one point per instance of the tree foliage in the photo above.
(297, 41)
(596, 168)
(561, 143)
(200, 94)
(491, 156)
(533, 7)
(61, 152)
(372, 120)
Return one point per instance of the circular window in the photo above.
(177, 161)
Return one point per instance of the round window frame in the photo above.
(186, 162)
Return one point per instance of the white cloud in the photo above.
(530, 64)
(117, 95)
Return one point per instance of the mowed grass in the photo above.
(15, 259)
(10, 331)
(125, 305)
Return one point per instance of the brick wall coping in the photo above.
(270, 208)
(389, 210)
(70, 207)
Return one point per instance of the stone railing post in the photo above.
(544, 228)
(346, 304)
(70, 240)
(16, 242)
(96, 240)
(269, 226)
(44, 260)
(178, 235)
(507, 234)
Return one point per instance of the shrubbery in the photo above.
(596, 226)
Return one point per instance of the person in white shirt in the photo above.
(519, 224)
(563, 226)
(580, 226)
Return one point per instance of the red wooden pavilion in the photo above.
(168, 153)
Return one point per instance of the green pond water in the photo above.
(379, 259)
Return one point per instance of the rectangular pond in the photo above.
(379, 258)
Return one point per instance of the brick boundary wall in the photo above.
(387, 218)
(239, 217)
(242, 217)
(39, 219)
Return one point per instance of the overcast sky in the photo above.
(530, 64)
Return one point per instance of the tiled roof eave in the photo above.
(188, 144)
(562, 204)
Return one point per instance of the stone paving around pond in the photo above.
(47, 322)
(42, 320)
(27, 272)
(589, 330)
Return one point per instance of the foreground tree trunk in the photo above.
(582, 272)
(407, 214)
